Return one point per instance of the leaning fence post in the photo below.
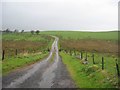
(93, 59)
(3, 54)
(102, 63)
(117, 68)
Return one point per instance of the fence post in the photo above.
(102, 63)
(70, 53)
(81, 55)
(16, 52)
(74, 53)
(60, 49)
(117, 68)
(86, 57)
(93, 59)
(65, 51)
(3, 54)
(48, 50)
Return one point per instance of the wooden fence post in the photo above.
(65, 51)
(16, 52)
(81, 55)
(93, 58)
(117, 68)
(3, 54)
(70, 53)
(48, 50)
(102, 63)
(86, 57)
(74, 53)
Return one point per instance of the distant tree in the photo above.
(15, 31)
(32, 32)
(7, 30)
(22, 31)
(37, 32)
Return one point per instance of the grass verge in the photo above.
(89, 75)
(13, 63)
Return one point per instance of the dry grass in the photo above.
(90, 45)
(22, 46)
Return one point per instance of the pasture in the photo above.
(25, 43)
(26, 48)
(76, 35)
(21, 49)
(102, 44)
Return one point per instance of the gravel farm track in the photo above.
(43, 74)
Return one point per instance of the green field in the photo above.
(113, 36)
(30, 49)
(24, 37)
(102, 44)
(25, 43)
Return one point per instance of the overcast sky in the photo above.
(60, 14)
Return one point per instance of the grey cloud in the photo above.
(68, 15)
